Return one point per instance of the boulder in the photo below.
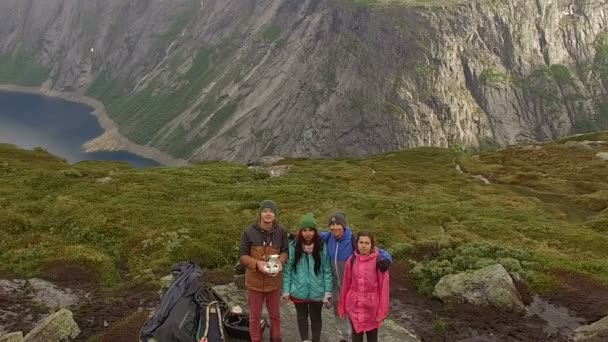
(602, 155)
(389, 332)
(12, 337)
(596, 332)
(59, 326)
(489, 286)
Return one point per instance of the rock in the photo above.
(31, 300)
(267, 161)
(165, 282)
(278, 170)
(104, 180)
(59, 326)
(390, 331)
(530, 147)
(54, 298)
(596, 332)
(12, 337)
(602, 155)
(10, 286)
(577, 144)
(239, 276)
(273, 171)
(489, 286)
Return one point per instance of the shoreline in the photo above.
(111, 139)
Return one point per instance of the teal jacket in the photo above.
(303, 282)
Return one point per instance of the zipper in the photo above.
(336, 263)
(308, 269)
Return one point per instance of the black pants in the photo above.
(312, 310)
(372, 335)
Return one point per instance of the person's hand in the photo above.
(342, 316)
(327, 300)
(286, 298)
(279, 268)
(262, 267)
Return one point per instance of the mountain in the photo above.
(239, 79)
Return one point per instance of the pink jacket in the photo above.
(364, 296)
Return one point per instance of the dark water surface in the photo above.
(57, 125)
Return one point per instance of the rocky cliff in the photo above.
(238, 79)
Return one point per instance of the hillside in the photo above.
(131, 224)
(239, 79)
(119, 229)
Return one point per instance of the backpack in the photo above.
(189, 311)
(210, 324)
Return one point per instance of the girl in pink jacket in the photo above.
(364, 296)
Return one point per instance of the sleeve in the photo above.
(284, 247)
(328, 278)
(245, 259)
(345, 286)
(287, 272)
(384, 261)
(384, 295)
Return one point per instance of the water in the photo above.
(559, 320)
(59, 126)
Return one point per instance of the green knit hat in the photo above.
(268, 204)
(308, 221)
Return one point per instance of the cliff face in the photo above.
(238, 79)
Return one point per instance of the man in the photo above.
(340, 246)
(260, 240)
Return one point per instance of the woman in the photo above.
(364, 296)
(307, 278)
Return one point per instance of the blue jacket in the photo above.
(340, 250)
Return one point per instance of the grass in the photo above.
(131, 229)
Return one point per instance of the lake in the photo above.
(59, 126)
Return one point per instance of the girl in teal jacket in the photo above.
(307, 277)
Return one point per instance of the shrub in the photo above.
(469, 256)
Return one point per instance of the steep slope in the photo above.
(237, 79)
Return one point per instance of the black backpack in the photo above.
(188, 311)
(210, 324)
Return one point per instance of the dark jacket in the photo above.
(185, 284)
(258, 244)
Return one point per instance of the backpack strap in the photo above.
(218, 309)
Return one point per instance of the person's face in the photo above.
(308, 234)
(337, 230)
(364, 245)
(267, 215)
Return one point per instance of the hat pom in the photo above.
(308, 221)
